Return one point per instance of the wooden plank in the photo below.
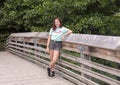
(93, 46)
(29, 46)
(101, 67)
(37, 53)
(42, 41)
(86, 72)
(97, 41)
(36, 61)
(91, 73)
(77, 82)
(28, 56)
(76, 76)
(28, 39)
(104, 68)
(107, 69)
(27, 34)
(97, 52)
(34, 52)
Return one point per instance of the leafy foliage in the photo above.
(82, 16)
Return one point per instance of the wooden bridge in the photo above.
(84, 60)
(17, 71)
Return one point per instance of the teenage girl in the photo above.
(54, 43)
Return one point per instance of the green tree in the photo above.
(82, 16)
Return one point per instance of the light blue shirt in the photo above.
(58, 33)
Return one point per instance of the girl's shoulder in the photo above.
(64, 27)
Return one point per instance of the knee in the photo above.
(54, 61)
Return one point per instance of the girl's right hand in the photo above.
(47, 49)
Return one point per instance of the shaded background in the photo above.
(101, 17)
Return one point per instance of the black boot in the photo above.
(53, 74)
(48, 71)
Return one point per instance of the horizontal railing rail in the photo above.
(84, 59)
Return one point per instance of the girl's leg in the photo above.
(51, 52)
(54, 60)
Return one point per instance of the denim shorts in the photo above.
(55, 45)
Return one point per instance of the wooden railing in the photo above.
(84, 59)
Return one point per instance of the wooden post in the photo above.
(87, 57)
(35, 45)
(9, 41)
(24, 44)
(35, 42)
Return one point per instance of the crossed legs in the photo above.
(54, 54)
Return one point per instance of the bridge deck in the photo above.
(17, 71)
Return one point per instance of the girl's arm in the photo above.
(48, 42)
(67, 33)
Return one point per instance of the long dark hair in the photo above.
(54, 26)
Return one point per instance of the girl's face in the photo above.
(57, 23)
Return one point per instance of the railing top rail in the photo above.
(107, 42)
(25, 34)
(100, 41)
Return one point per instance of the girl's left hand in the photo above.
(63, 37)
